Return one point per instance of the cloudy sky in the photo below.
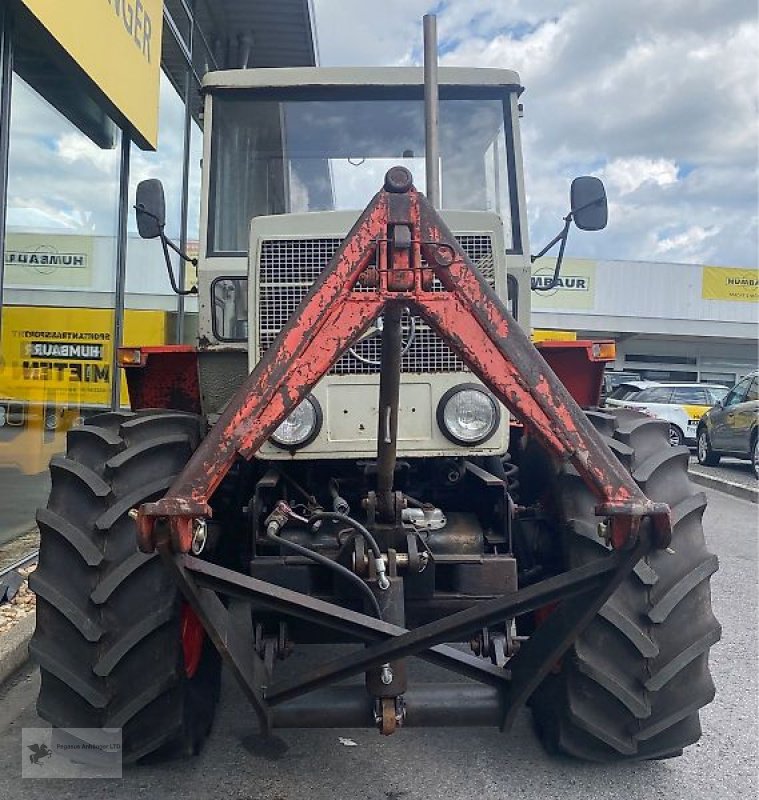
(657, 97)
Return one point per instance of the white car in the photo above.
(680, 404)
(626, 390)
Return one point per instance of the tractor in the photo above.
(365, 450)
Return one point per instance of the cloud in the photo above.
(658, 99)
(625, 175)
(60, 181)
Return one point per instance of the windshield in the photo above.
(326, 149)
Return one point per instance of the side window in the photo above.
(622, 391)
(753, 392)
(737, 393)
(657, 394)
(229, 297)
(690, 395)
(717, 395)
(512, 288)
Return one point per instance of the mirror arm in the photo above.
(183, 256)
(166, 243)
(560, 237)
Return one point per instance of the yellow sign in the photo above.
(118, 45)
(728, 283)
(553, 336)
(48, 260)
(574, 290)
(61, 357)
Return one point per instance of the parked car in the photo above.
(613, 379)
(731, 428)
(680, 404)
(626, 390)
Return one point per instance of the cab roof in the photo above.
(358, 76)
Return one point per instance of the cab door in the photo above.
(723, 434)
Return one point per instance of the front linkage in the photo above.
(398, 246)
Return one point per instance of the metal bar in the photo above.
(477, 325)
(537, 656)
(387, 418)
(569, 584)
(468, 314)
(325, 324)
(184, 208)
(6, 83)
(446, 705)
(328, 615)
(120, 278)
(431, 110)
(22, 562)
(236, 650)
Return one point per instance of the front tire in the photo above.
(676, 437)
(632, 684)
(704, 453)
(110, 621)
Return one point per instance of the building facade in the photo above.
(671, 322)
(96, 95)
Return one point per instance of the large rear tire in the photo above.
(633, 683)
(110, 621)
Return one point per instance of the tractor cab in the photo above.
(291, 157)
(317, 143)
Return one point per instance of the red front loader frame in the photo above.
(391, 255)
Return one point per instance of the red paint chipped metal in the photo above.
(468, 314)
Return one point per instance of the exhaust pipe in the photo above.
(431, 110)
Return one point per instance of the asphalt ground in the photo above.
(477, 763)
(733, 475)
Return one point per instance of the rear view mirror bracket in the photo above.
(150, 208)
(588, 211)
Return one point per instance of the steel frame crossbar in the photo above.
(581, 593)
(394, 250)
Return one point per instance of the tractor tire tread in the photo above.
(632, 685)
(108, 629)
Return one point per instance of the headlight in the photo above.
(468, 414)
(301, 427)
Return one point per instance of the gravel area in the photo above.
(22, 603)
(18, 547)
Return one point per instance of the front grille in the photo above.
(288, 267)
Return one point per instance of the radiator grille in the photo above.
(288, 267)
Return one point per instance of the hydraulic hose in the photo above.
(353, 523)
(271, 533)
(379, 564)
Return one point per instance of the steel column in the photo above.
(185, 202)
(6, 83)
(120, 278)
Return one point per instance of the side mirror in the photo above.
(150, 208)
(588, 201)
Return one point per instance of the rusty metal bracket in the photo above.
(234, 646)
(467, 313)
(581, 592)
